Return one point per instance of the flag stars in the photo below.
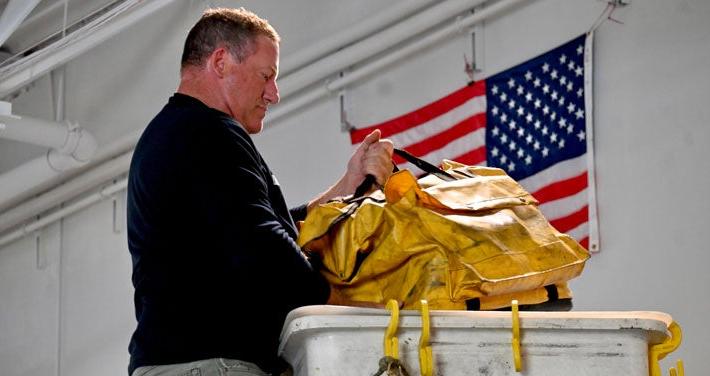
(579, 114)
(529, 118)
(553, 137)
(580, 92)
(562, 122)
(571, 65)
(578, 71)
(512, 124)
(554, 95)
(494, 151)
(503, 138)
(521, 132)
(511, 166)
(570, 86)
(521, 153)
(495, 110)
(494, 90)
(528, 160)
(561, 101)
(511, 83)
(580, 49)
(563, 80)
(571, 107)
(546, 110)
(529, 139)
(495, 131)
(561, 144)
(503, 97)
(545, 151)
(536, 83)
(546, 68)
(521, 111)
(554, 74)
(546, 89)
(503, 118)
(512, 145)
(570, 128)
(563, 59)
(537, 124)
(536, 146)
(528, 96)
(553, 115)
(503, 159)
(581, 135)
(544, 130)
(538, 103)
(511, 104)
(528, 76)
(520, 90)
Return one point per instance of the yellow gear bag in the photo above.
(480, 236)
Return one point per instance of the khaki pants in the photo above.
(207, 367)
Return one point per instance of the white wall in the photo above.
(66, 305)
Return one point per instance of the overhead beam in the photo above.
(32, 67)
(15, 12)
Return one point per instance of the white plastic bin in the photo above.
(344, 341)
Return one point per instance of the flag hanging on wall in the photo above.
(533, 120)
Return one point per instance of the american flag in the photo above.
(533, 120)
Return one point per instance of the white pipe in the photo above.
(15, 77)
(71, 147)
(15, 12)
(34, 131)
(352, 34)
(97, 175)
(64, 138)
(373, 45)
(377, 65)
(103, 194)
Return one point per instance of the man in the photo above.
(215, 264)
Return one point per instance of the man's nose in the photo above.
(271, 93)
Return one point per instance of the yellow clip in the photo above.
(681, 369)
(659, 351)
(425, 358)
(391, 342)
(516, 336)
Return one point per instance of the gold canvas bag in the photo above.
(477, 237)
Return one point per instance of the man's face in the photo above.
(250, 86)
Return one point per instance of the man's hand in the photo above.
(372, 157)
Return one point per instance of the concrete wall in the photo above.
(65, 294)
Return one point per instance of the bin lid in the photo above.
(321, 317)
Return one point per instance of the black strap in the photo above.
(424, 165)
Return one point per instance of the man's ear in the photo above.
(217, 60)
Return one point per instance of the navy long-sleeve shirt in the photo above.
(215, 264)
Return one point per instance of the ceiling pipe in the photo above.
(373, 45)
(32, 67)
(65, 138)
(15, 12)
(427, 40)
(351, 34)
(70, 147)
